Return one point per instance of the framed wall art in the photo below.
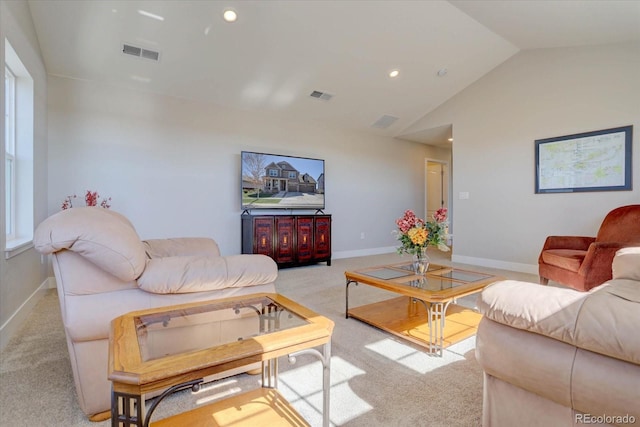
(590, 161)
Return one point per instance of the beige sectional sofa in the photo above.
(104, 270)
(559, 357)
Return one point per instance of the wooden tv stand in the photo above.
(291, 240)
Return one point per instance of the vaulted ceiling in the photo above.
(278, 52)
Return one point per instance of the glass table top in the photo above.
(464, 276)
(388, 273)
(430, 283)
(438, 277)
(211, 325)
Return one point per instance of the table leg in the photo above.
(270, 373)
(126, 410)
(436, 313)
(325, 359)
(346, 310)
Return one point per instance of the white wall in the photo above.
(535, 94)
(23, 275)
(173, 166)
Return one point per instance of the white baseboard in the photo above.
(11, 326)
(493, 263)
(363, 252)
(51, 282)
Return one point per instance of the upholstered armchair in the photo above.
(104, 270)
(585, 262)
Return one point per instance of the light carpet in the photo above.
(376, 379)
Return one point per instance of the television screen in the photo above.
(271, 181)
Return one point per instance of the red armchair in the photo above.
(585, 262)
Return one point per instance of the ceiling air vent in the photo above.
(321, 95)
(140, 52)
(384, 122)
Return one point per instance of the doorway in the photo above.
(437, 188)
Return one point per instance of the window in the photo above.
(18, 153)
(10, 151)
(273, 172)
(292, 175)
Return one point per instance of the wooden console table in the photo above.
(173, 348)
(290, 240)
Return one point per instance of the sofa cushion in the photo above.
(568, 259)
(626, 264)
(102, 236)
(541, 309)
(609, 319)
(183, 274)
(603, 320)
(181, 246)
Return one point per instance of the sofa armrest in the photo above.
(597, 264)
(181, 246)
(101, 236)
(626, 264)
(568, 242)
(545, 310)
(185, 274)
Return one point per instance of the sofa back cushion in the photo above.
(185, 274)
(621, 225)
(181, 246)
(102, 236)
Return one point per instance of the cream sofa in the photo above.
(104, 270)
(559, 357)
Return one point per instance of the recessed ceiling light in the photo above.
(394, 73)
(450, 139)
(442, 72)
(230, 15)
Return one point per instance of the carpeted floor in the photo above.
(376, 379)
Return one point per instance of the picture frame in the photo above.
(589, 161)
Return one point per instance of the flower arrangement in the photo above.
(90, 199)
(416, 234)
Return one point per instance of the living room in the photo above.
(171, 164)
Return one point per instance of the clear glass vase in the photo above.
(421, 262)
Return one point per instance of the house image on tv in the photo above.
(282, 176)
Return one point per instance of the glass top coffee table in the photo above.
(419, 314)
(173, 348)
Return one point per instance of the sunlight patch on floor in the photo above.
(217, 396)
(410, 357)
(302, 387)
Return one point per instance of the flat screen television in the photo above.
(272, 181)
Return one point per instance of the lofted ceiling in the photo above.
(278, 52)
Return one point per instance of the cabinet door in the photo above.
(263, 236)
(304, 236)
(285, 249)
(322, 244)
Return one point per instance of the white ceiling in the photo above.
(278, 52)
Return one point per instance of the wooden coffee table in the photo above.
(420, 313)
(173, 348)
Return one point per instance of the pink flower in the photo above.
(408, 221)
(90, 199)
(440, 215)
(105, 203)
(66, 203)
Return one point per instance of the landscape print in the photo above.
(272, 181)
